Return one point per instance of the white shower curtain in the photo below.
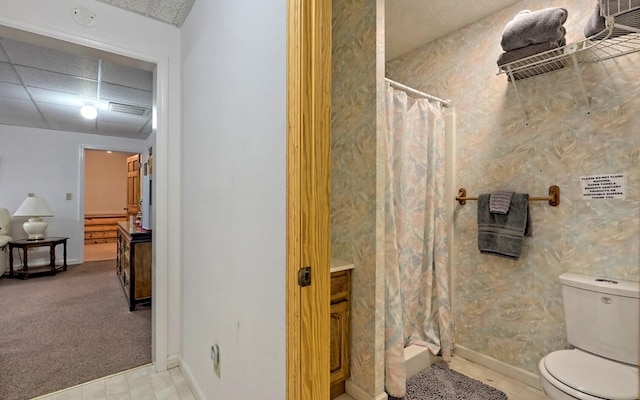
(417, 292)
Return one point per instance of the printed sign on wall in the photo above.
(603, 186)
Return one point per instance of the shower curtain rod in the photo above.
(445, 103)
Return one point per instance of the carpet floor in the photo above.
(63, 330)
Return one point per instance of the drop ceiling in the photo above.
(43, 87)
(44, 82)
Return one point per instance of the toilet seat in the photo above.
(591, 375)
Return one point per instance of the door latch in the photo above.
(304, 276)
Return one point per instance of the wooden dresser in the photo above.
(133, 264)
(101, 228)
(340, 328)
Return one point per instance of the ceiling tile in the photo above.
(127, 119)
(63, 83)
(66, 118)
(20, 113)
(13, 91)
(126, 76)
(139, 6)
(61, 98)
(171, 11)
(125, 95)
(120, 130)
(27, 54)
(7, 73)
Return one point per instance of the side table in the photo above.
(25, 245)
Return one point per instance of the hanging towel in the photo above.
(533, 27)
(499, 202)
(503, 234)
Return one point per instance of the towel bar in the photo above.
(553, 198)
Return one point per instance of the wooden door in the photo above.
(308, 188)
(133, 185)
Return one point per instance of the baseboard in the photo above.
(518, 374)
(417, 359)
(188, 376)
(173, 361)
(358, 393)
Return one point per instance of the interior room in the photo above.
(221, 255)
(106, 201)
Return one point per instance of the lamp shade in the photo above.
(34, 208)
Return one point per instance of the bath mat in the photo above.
(438, 382)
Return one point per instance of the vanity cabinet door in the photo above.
(340, 328)
(339, 341)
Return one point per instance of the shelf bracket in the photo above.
(515, 88)
(572, 51)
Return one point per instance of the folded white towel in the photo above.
(500, 201)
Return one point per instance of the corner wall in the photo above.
(234, 196)
(512, 310)
(358, 73)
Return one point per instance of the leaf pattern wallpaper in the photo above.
(510, 310)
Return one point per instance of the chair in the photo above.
(5, 230)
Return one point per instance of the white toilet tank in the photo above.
(602, 316)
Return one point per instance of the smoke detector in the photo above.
(84, 16)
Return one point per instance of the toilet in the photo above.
(602, 325)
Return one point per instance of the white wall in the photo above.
(132, 35)
(54, 173)
(234, 152)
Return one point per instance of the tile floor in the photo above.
(145, 384)
(141, 383)
(515, 390)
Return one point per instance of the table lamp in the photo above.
(34, 208)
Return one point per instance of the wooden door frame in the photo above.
(308, 197)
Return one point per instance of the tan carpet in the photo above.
(63, 330)
(99, 251)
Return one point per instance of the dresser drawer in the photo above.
(340, 286)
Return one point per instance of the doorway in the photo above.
(111, 190)
(160, 83)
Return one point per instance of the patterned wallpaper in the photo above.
(354, 209)
(512, 310)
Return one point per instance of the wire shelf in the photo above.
(620, 37)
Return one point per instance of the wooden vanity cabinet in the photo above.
(133, 264)
(340, 326)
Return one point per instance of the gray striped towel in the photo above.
(500, 201)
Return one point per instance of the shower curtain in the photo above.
(417, 294)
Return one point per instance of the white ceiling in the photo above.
(44, 82)
(412, 23)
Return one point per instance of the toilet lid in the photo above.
(593, 375)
